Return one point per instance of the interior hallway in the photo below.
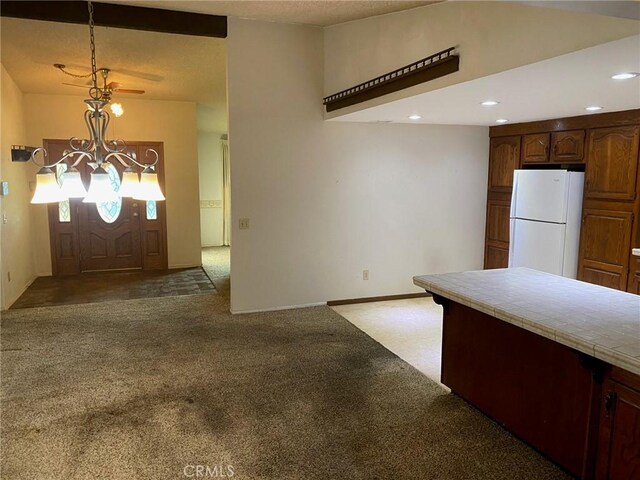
(216, 262)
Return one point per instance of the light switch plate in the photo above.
(4, 189)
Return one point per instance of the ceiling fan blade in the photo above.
(128, 90)
(75, 85)
(113, 85)
(142, 75)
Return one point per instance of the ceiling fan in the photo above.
(108, 89)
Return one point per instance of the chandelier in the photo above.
(98, 154)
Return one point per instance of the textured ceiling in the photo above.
(191, 69)
(310, 12)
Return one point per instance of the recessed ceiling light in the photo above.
(414, 117)
(625, 75)
(593, 108)
(489, 103)
(502, 120)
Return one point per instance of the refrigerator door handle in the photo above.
(514, 194)
(512, 243)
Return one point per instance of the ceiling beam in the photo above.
(119, 16)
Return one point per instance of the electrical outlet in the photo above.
(365, 274)
(244, 223)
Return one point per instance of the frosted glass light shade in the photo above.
(116, 109)
(130, 184)
(47, 188)
(100, 188)
(149, 187)
(72, 186)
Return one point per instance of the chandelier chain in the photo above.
(75, 75)
(95, 92)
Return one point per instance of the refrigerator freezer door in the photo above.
(540, 195)
(537, 245)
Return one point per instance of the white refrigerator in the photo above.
(546, 208)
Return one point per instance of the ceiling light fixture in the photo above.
(502, 120)
(98, 153)
(414, 117)
(593, 108)
(625, 75)
(490, 103)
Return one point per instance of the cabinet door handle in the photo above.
(609, 402)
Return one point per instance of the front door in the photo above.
(122, 235)
(110, 232)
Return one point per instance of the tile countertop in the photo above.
(598, 321)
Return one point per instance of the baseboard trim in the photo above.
(184, 265)
(10, 302)
(384, 298)
(275, 309)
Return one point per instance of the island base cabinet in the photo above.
(544, 392)
(619, 444)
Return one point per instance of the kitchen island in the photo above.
(554, 360)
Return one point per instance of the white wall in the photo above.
(210, 171)
(327, 200)
(174, 123)
(490, 37)
(15, 253)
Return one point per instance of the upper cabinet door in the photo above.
(503, 160)
(535, 148)
(612, 163)
(567, 147)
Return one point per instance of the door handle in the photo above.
(135, 214)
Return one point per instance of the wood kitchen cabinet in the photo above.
(497, 234)
(567, 147)
(504, 158)
(605, 247)
(612, 163)
(633, 282)
(607, 147)
(618, 456)
(535, 148)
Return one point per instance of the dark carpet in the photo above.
(104, 286)
(143, 389)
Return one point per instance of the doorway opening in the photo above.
(215, 197)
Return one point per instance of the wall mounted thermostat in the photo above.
(4, 189)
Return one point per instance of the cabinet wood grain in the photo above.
(567, 147)
(535, 148)
(612, 162)
(633, 283)
(619, 435)
(503, 160)
(605, 246)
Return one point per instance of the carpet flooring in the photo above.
(153, 388)
(216, 262)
